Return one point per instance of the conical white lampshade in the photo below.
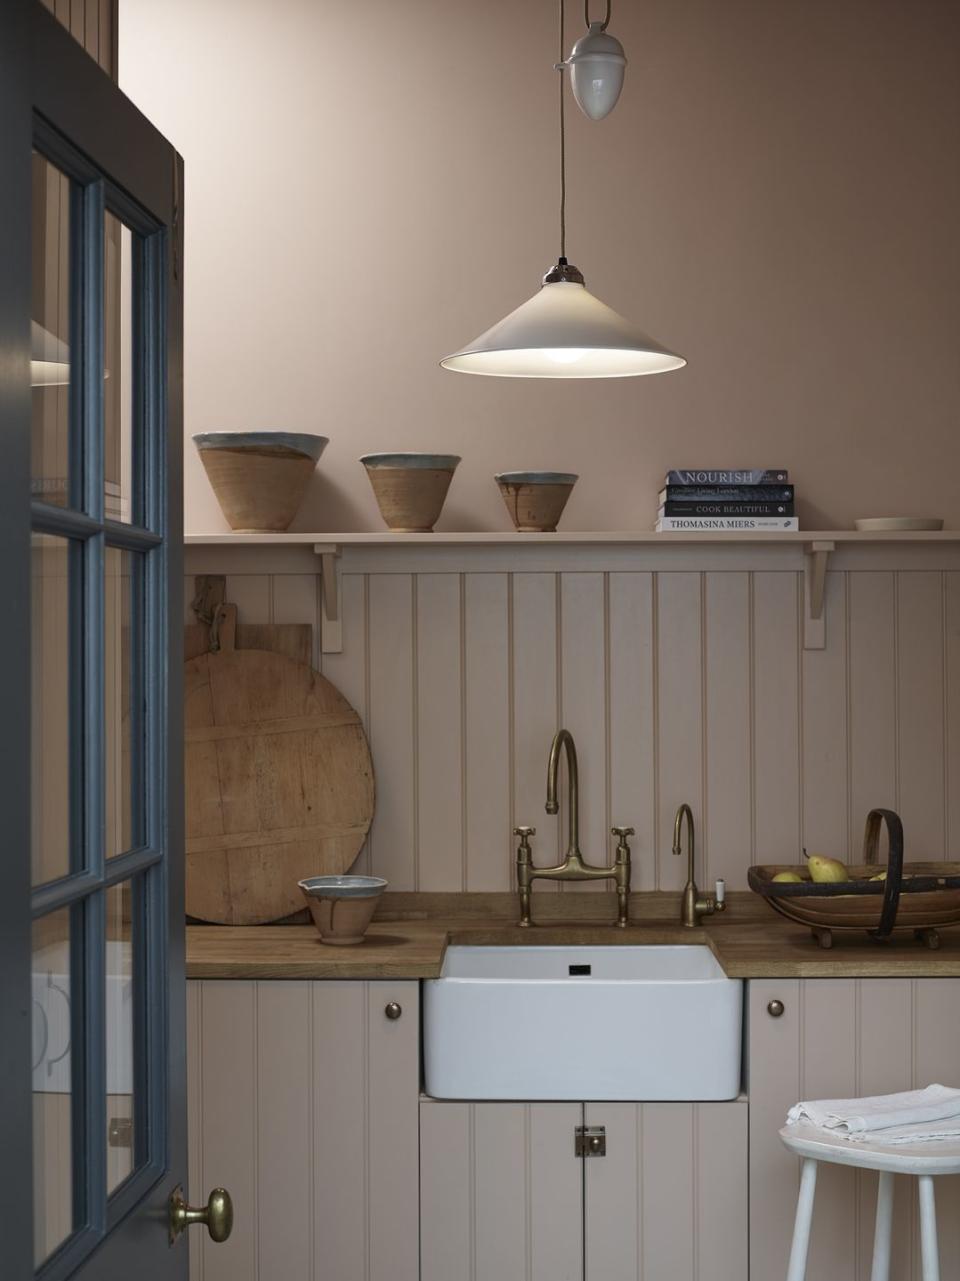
(563, 332)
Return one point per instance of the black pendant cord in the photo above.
(563, 150)
(586, 15)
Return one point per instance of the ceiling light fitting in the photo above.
(597, 64)
(563, 331)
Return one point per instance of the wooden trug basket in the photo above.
(914, 896)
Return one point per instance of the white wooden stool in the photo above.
(923, 1160)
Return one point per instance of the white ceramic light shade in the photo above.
(597, 64)
(563, 331)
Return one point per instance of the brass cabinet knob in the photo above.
(393, 1010)
(775, 1009)
(596, 1143)
(217, 1214)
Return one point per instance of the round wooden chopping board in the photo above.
(279, 782)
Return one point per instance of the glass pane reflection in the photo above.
(52, 1102)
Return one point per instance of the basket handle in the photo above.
(894, 881)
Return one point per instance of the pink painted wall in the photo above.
(370, 184)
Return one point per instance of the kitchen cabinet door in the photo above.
(303, 1100)
(501, 1192)
(669, 1198)
(843, 1038)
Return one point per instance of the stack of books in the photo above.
(735, 500)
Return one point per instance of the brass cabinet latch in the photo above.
(590, 1140)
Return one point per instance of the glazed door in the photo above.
(91, 907)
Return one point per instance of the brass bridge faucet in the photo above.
(573, 867)
(692, 906)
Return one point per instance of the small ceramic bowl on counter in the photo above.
(342, 906)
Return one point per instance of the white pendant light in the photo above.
(563, 331)
(597, 64)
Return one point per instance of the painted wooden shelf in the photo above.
(498, 538)
(817, 546)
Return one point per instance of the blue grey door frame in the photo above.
(53, 98)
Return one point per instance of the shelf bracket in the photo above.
(814, 583)
(331, 598)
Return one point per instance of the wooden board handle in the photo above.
(226, 620)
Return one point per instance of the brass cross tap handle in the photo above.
(217, 1214)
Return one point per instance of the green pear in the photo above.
(824, 870)
(788, 876)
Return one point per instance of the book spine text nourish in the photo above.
(729, 476)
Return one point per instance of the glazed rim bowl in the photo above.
(299, 441)
(536, 478)
(342, 906)
(259, 477)
(535, 499)
(410, 489)
(435, 462)
(343, 886)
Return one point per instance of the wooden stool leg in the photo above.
(797, 1269)
(929, 1250)
(882, 1231)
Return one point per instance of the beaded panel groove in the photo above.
(678, 684)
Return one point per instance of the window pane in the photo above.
(50, 607)
(50, 333)
(118, 403)
(123, 577)
(122, 923)
(52, 1121)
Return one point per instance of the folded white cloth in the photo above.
(931, 1113)
(925, 1132)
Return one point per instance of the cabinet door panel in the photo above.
(670, 1197)
(392, 1128)
(773, 1074)
(838, 1038)
(304, 1103)
(501, 1193)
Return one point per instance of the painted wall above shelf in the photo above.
(816, 547)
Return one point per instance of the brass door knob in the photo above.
(393, 1010)
(217, 1214)
(775, 1009)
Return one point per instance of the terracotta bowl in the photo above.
(410, 489)
(536, 499)
(342, 906)
(259, 477)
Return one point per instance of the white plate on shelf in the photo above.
(871, 523)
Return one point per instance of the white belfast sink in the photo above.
(623, 1022)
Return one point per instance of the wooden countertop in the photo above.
(414, 948)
